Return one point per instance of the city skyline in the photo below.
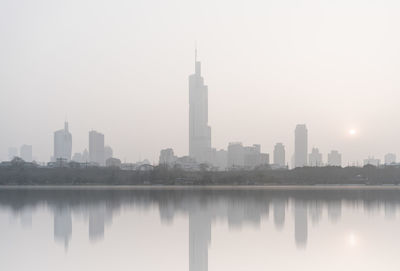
(200, 147)
(306, 67)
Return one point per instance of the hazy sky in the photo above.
(121, 67)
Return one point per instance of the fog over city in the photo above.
(121, 68)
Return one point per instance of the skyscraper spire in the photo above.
(197, 65)
(199, 131)
(195, 51)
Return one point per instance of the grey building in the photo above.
(334, 159)
(108, 153)
(390, 158)
(12, 152)
(279, 155)
(300, 145)
(315, 158)
(199, 131)
(63, 144)
(96, 148)
(26, 153)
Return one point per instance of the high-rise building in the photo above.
(108, 153)
(221, 159)
(334, 159)
(26, 153)
(372, 161)
(279, 155)
(235, 154)
(315, 158)
(96, 148)
(199, 131)
(249, 157)
(63, 144)
(390, 158)
(167, 157)
(12, 152)
(300, 145)
(77, 157)
(85, 156)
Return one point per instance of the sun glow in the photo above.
(352, 132)
(352, 240)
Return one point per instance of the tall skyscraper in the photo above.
(63, 143)
(96, 148)
(199, 131)
(279, 154)
(26, 153)
(300, 145)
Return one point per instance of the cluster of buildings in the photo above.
(237, 156)
(25, 152)
(201, 153)
(98, 153)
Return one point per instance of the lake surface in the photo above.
(199, 229)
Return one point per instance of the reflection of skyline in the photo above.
(238, 208)
(300, 223)
(63, 226)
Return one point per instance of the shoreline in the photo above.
(201, 187)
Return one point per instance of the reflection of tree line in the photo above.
(202, 206)
(20, 174)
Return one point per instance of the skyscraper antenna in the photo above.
(195, 51)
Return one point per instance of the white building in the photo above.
(315, 158)
(235, 155)
(62, 144)
(279, 155)
(167, 157)
(12, 152)
(96, 148)
(249, 157)
(334, 159)
(372, 161)
(26, 153)
(300, 145)
(390, 158)
(77, 157)
(221, 159)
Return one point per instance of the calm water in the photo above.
(199, 229)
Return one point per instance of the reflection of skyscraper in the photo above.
(63, 226)
(96, 224)
(315, 211)
(279, 212)
(199, 131)
(26, 217)
(300, 223)
(199, 240)
(99, 217)
(334, 210)
(300, 145)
